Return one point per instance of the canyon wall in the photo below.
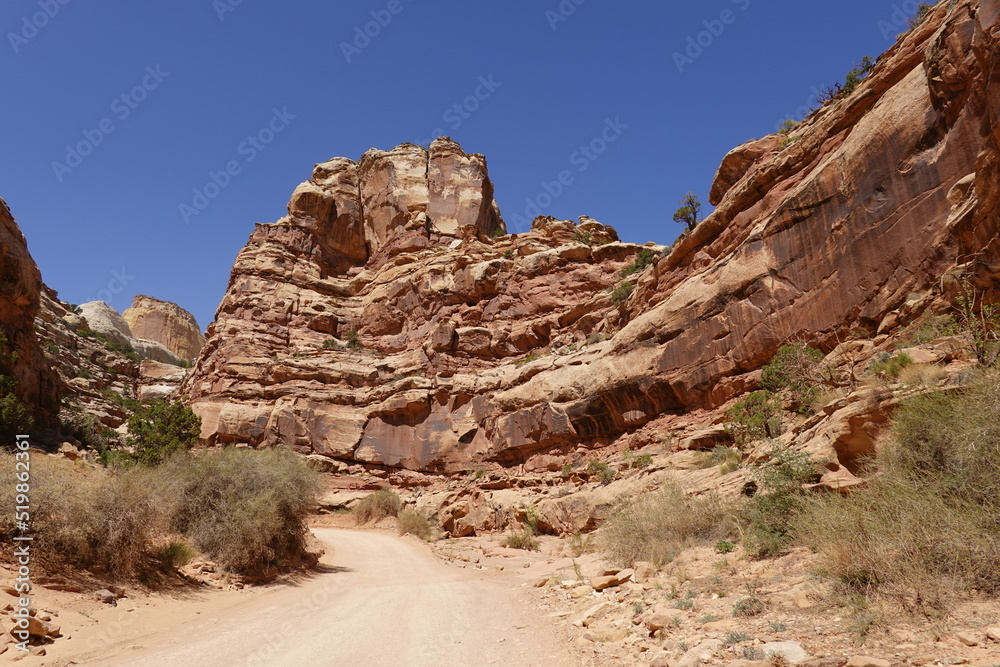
(382, 322)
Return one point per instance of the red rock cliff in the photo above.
(852, 225)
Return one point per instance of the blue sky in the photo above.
(117, 112)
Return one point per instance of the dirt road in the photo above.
(379, 600)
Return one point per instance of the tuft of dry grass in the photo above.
(521, 539)
(411, 522)
(659, 525)
(377, 506)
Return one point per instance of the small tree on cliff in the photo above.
(688, 213)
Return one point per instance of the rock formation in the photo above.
(37, 386)
(165, 323)
(380, 323)
(105, 320)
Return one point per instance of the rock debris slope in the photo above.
(382, 322)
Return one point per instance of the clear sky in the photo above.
(116, 112)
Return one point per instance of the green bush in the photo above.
(621, 293)
(377, 506)
(756, 417)
(244, 509)
(657, 526)
(158, 428)
(890, 367)
(602, 470)
(642, 262)
(14, 416)
(771, 513)
(799, 369)
(353, 340)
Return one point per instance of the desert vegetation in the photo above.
(244, 509)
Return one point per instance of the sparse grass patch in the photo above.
(175, 553)
(727, 458)
(411, 522)
(377, 506)
(520, 539)
(659, 525)
(581, 543)
(771, 512)
(928, 525)
(621, 293)
(890, 367)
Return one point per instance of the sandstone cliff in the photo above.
(37, 386)
(380, 323)
(165, 323)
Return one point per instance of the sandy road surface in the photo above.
(380, 601)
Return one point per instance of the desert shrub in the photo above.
(377, 506)
(157, 429)
(175, 553)
(927, 329)
(332, 344)
(659, 525)
(89, 518)
(756, 417)
(642, 262)
(621, 293)
(634, 461)
(605, 473)
(978, 322)
(929, 523)
(890, 367)
(14, 416)
(856, 76)
(923, 9)
(581, 543)
(749, 606)
(728, 459)
(521, 539)
(411, 522)
(799, 369)
(353, 340)
(242, 508)
(787, 126)
(724, 547)
(771, 513)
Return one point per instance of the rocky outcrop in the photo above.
(381, 323)
(36, 385)
(101, 318)
(165, 323)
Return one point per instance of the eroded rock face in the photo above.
(850, 227)
(165, 323)
(37, 384)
